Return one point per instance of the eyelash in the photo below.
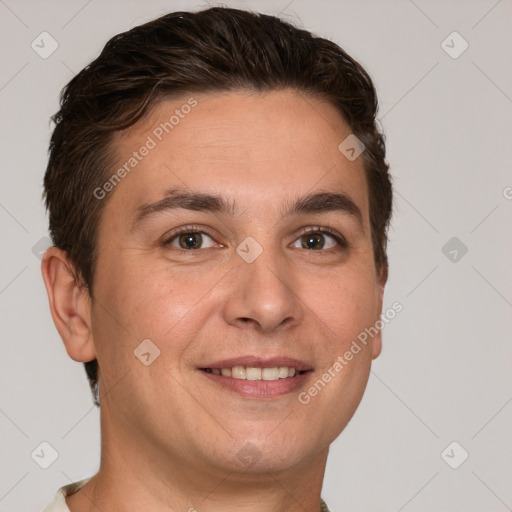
(324, 230)
(317, 230)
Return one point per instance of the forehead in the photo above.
(250, 146)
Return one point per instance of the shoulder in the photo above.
(58, 503)
(323, 506)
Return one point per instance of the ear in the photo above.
(377, 339)
(70, 305)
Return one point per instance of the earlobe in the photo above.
(70, 305)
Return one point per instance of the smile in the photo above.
(256, 373)
(255, 382)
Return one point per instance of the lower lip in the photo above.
(259, 388)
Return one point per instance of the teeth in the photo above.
(238, 372)
(253, 373)
(270, 374)
(283, 372)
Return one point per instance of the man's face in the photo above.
(250, 279)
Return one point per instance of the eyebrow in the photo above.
(319, 202)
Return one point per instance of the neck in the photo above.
(134, 477)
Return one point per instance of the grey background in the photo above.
(445, 371)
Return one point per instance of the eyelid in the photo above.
(189, 228)
(193, 228)
(342, 241)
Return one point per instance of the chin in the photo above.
(253, 455)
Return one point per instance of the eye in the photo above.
(316, 239)
(190, 240)
(319, 239)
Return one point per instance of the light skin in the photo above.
(170, 434)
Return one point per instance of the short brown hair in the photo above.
(212, 50)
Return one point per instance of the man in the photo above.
(219, 201)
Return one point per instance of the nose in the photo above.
(262, 296)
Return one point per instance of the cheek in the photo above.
(345, 305)
(138, 301)
(343, 310)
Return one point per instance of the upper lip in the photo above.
(260, 362)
